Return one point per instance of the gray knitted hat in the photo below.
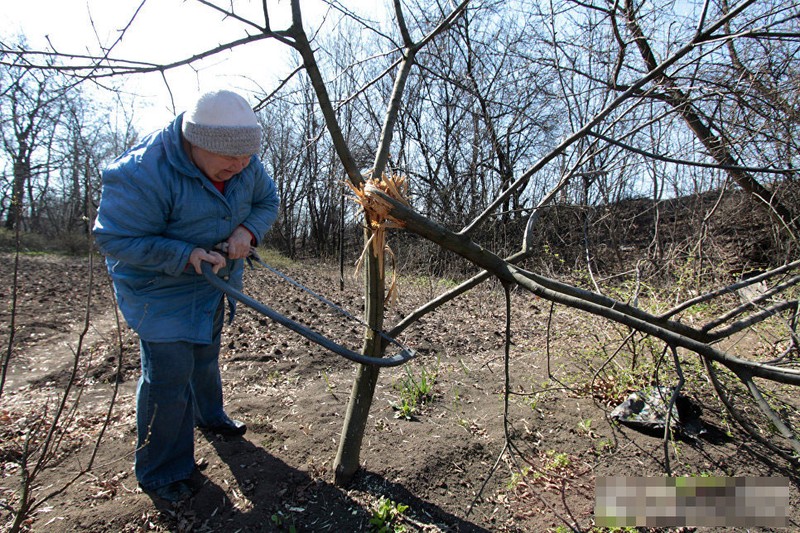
(222, 122)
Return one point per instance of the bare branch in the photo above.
(732, 288)
(393, 107)
(122, 67)
(737, 415)
(655, 72)
(751, 320)
(401, 23)
(263, 101)
(776, 421)
(228, 13)
(684, 162)
(752, 303)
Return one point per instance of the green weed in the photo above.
(404, 409)
(279, 522)
(385, 515)
(558, 460)
(415, 392)
(533, 401)
(273, 378)
(328, 385)
(517, 477)
(603, 445)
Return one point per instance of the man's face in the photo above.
(218, 167)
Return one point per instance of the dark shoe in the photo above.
(175, 492)
(232, 428)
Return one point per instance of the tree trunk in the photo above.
(355, 422)
(347, 459)
(21, 173)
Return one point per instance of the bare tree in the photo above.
(28, 118)
(284, 138)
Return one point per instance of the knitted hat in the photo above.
(222, 122)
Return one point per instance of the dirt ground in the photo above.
(447, 468)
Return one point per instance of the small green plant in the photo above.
(422, 388)
(415, 392)
(586, 426)
(464, 367)
(517, 477)
(548, 252)
(385, 515)
(533, 401)
(404, 409)
(328, 385)
(558, 460)
(273, 378)
(278, 521)
(603, 445)
(561, 460)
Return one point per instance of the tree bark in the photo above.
(348, 456)
(22, 172)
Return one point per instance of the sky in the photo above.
(163, 31)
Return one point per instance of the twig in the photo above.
(771, 415)
(117, 380)
(752, 303)
(740, 419)
(675, 392)
(52, 444)
(509, 444)
(507, 289)
(751, 320)
(12, 328)
(686, 162)
(588, 254)
(731, 288)
(486, 481)
(608, 360)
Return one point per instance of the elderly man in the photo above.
(166, 203)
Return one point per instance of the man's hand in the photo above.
(239, 243)
(199, 255)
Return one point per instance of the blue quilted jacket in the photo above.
(156, 207)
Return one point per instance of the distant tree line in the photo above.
(489, 99)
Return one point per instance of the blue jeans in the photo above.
(180, 386)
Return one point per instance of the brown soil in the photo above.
(293, 397)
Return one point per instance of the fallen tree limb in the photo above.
(739, 417)
(670, 331)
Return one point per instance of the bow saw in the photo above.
(405, 354)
